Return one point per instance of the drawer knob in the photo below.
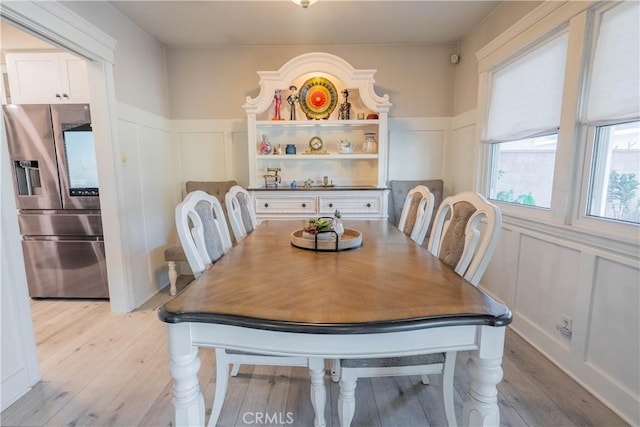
(330, 205)
(368, 205)
(304, 205)
(266, 205)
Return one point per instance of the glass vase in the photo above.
(338, 227)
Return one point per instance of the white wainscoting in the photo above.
(542, 277)
(544, 272)
(216, 150)
(151, 191)
(461, 154)
(211, 150)
(417, 148)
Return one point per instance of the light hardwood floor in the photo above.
(104, 369)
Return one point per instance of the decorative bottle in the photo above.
(338, 227)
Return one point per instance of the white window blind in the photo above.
(614, 89)
(526, 95)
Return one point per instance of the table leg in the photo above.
(318, 390)
(187, 397)
(485, 371)
(347, 400)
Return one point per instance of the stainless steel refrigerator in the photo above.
(53, 163)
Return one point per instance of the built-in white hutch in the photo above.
(356, 181)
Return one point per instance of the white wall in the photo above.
(214, 83)
(545, 271)
(542, 277)
(139, 74)
(500, 18)
(150, 192)
(19, 369)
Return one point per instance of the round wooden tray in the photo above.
(351, 239)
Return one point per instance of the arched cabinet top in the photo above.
(317, 62)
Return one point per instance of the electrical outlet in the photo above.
(567, 322)
(565, 326)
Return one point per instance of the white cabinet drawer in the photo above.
(285, 205)
(350, 204)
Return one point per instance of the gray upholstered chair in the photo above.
(459, 241)
(398, 190)
(457, 238)
(240, 212)
(205, 238)
(218, 189)
(416, 213)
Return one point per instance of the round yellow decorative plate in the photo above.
(318, 98)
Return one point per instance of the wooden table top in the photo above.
(388, 284)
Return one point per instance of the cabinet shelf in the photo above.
(354, 156)
(314, 123)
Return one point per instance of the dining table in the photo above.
(387, 297)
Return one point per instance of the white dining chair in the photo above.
(205, 238)
(415, 219)
(460, 242)
(416, 213)
(202, 230)
(241, 214)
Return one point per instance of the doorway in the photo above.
(20, 22)
(21, 371)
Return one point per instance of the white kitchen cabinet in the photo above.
(354, 182)
(47, 78)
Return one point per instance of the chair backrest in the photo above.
(416, 213)
(202, 230)
(457, 239)
(240, 211)
(398, 190)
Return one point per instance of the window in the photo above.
(524, 171)
(612, 115)
(522, 127)
(615, 177)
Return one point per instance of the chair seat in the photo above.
(421, 359)
(175, 253)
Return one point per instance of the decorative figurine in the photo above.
(277, 149)
(277, 97)
(345, 107)
(265, 145)
(292, 99)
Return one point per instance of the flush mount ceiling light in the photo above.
(304, 3)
